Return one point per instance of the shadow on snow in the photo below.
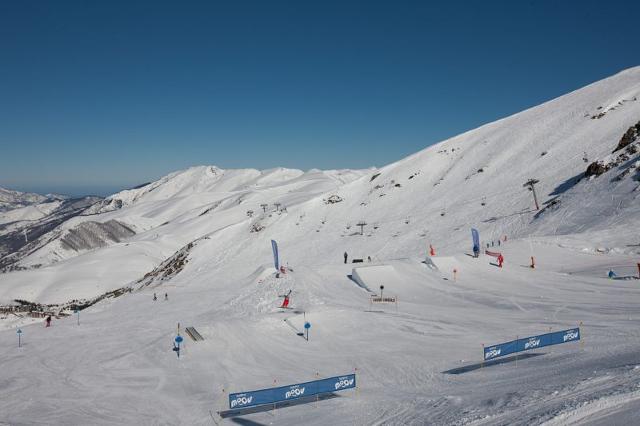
(271, 407)
(505, 360)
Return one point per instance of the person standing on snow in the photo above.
(48, 321)
(155, 297)
(166, 296)
(345, 257)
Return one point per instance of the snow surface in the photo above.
(416, 365)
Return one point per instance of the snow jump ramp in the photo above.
(371, 277)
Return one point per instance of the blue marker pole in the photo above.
(77, 311)
(176, 348)
(307, 326)
(19, 332)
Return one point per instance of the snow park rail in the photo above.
(268, 396)
(532, 342)
(193, 333)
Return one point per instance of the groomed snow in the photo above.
(117, 366)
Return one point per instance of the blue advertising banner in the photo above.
(276, 261)
(476, 239)
(531, 342)
(500, 349)
(289, 392)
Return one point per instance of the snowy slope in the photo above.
(203, 235)
(25, 230)
(10, 200)
(32, 212)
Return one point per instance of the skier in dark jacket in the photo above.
(345, 257)
(48, 321)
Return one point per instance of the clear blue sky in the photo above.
(95, 96)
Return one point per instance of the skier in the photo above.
(369, 259)
(500, 260)
(611, 274)
(48, 321)
(155, 297)
(345, 257)
(166, 296)
(476, 251)
(285, 302)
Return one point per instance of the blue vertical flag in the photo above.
(476, 239)
(276, 262)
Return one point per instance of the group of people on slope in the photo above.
(166, 297)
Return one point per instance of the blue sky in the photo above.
(96, 96)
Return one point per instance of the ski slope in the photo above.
(417, 364)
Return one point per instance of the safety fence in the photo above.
(290, 392)
(532, 342)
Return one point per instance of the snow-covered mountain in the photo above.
(202, 235)
(24, 229)
(10, 200)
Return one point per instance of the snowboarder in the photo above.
(166, 296)
(155, 297)
(345, 257)
(48, 321)
(432, 251)
(500, 260)
(611, 274)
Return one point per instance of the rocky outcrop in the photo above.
(630, 136)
